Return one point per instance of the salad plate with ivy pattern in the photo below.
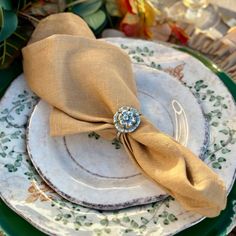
(93, 172)
(22, 188)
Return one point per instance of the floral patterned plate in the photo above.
(94, 172)
(25, 192)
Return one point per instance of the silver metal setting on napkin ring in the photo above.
(126, 120)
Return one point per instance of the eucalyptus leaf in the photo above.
(112, 8)
(101, 28)
(10, 48)
(6, 4)
(87, 8)
(8, 23)
(96, 20)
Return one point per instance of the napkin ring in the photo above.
(126, 120)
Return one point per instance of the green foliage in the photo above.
(8, 23)
(96, 20)
(92, 11)
(18, 18)
(12, 35)
(87, 8)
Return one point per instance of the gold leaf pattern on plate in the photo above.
(36, 192)
(177, 71)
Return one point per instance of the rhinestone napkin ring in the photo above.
(126, 119)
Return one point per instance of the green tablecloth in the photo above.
(13, 225)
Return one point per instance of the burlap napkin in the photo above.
(87, 81)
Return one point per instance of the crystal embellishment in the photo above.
(126, 119)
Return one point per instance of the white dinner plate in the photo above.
(26, 193)
(92, 171)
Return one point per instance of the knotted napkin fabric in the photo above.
(87, 81)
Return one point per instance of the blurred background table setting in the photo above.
(183, 55)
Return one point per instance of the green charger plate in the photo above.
(13, 225)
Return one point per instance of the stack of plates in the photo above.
(89, 176)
